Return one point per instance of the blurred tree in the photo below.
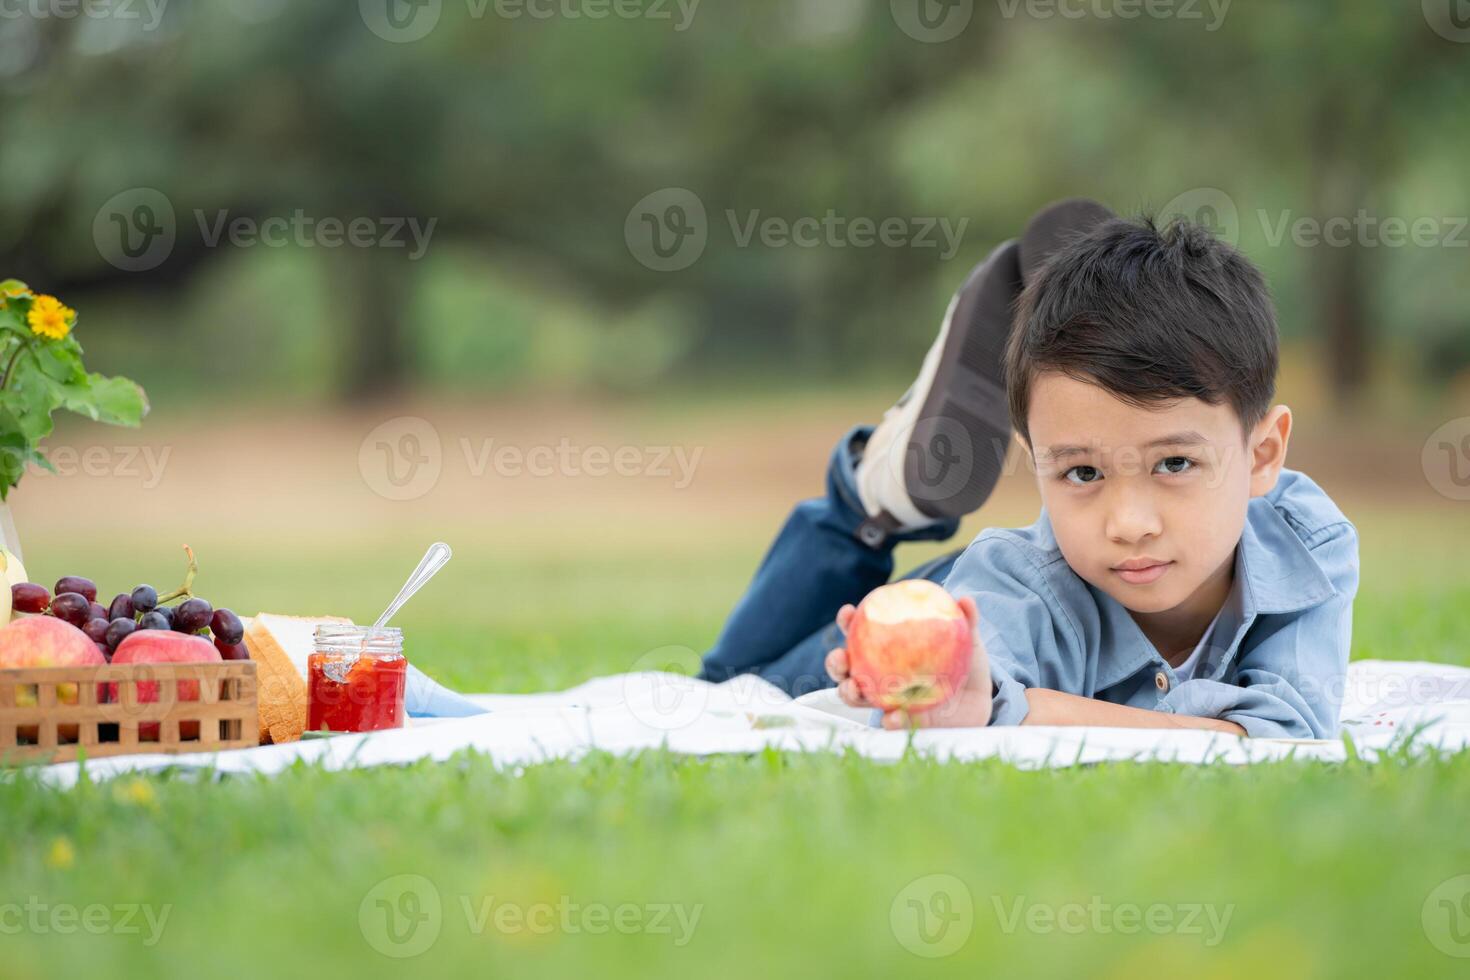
(528, 141)
(1344, 97)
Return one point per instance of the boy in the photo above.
(1178, 576)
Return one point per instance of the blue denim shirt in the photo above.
(1278, 657)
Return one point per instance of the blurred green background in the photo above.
(530, 132)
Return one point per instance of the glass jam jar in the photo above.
(355, 679)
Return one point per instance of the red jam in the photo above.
(369, 699)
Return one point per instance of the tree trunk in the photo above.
(1341, 285)
(1340, 282)
(372, 292)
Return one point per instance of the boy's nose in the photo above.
(1133, 517)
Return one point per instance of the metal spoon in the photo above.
(434, 559)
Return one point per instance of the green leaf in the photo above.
(70, 345)
(12, 468)
(10, 439)
(39, 458)
(59, 363)
(117, 401)
(76, 397)
(26, 407)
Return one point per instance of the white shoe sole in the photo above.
(938, 453)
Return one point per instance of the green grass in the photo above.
(793, 864)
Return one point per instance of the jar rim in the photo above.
(351, 640)
(340, 630)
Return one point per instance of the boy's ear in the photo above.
(1267, 446)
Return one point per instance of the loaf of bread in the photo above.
(279, 645)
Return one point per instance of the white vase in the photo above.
(9, 539)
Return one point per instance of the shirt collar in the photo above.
(1274, 573)
(1279, 573)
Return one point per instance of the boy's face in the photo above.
(1148, 502)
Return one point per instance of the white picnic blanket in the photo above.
(1387, 706)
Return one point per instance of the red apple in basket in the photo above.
(163, 647)
(44, 641)
(909, 646)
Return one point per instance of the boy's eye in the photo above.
(1174, 464)
(1082, 475)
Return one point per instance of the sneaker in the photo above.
(1054, 226)
(939, 451)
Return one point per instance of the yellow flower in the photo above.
(62, 854)
(49, 317)
(135, 791)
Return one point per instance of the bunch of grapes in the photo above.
(75, 601)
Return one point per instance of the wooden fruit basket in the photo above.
(55, 714)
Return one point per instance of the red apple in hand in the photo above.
(163, 647)
(44, 641)
(909, 646)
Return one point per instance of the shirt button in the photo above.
(1161, 681)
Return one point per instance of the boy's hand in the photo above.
(968, 708)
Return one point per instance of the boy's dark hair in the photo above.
(1147, 315)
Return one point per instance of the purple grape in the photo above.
(231, 651)
(145, 598)
(119, 630)
(96, 629)
(192, 615)
(226, 626)
(154, 620)
(29, 597)
(72, 607)
(121, 608)
(77, 584)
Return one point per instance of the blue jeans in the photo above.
(784, 625)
